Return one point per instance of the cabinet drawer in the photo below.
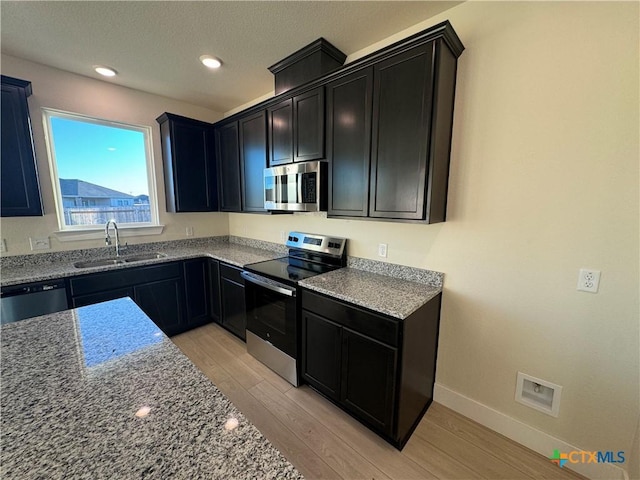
(381, 328)
(231, 273)
(99, 282)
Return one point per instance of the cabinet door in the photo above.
(107, 295)
(402, 96)
(163, 302)
(189, 167)
(321, 353)
(280, 118)
(228, 157)
(253, 161)
(197, 287)
(368, 379)
(214, 289)
(234, 317)
(308, 125)
(349, 143)
(19, 188)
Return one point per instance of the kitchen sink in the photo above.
(104, 262)
(144, 256)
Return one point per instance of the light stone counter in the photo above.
(42, 267)
(75, 389)
(385, 294)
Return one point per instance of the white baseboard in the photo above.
(524, 434)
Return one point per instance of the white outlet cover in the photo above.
(588, 280)
(3, 245)
(382, 250)
(39, 243)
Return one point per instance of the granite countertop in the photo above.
(100, 392)
(61, 267)
(392, 296)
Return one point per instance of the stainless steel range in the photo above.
(272, 298)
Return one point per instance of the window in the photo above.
(101, 170)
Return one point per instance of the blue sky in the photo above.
(107, 156)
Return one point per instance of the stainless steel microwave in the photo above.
(297, 187)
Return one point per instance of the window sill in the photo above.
(98, 233)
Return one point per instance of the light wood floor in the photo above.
(324, 442)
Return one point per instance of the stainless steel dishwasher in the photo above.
(18, 302)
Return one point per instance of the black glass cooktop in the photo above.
(288, 270)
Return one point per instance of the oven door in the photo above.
(272, 312)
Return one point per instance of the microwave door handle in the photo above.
(274, 288)
(299, 182)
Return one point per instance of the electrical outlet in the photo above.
(382, 250)
(39, 243)
(283, 237)
(189, 231)
(588, 280)
(3, 245)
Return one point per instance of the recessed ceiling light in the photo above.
(210, 62)
(105, 71)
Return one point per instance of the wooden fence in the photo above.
(101, 215)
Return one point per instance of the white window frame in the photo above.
(86, 232)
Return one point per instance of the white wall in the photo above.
(544, 180)
(54, 88)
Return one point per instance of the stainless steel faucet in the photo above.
(107, 239)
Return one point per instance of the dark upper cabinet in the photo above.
(413, 97)
(19, 189)
(241, 150)
(253, 160)
(308, 126)
(296, 128)
(349, 102)
(281, 133)
(189, 164)
(402, 106)
(228, 159)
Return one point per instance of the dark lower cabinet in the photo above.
(214, 290)
(90, 299)
(19, 188)
(197, 286)
(368, 379)
(322, 353)
(177, 296)
(234, 317)
(162, 301)
(378, 368)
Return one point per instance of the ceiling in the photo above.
(155, 46)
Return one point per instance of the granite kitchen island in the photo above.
(101, 392)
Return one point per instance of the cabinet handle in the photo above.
(283, 290)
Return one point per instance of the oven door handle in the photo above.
(283, 290)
